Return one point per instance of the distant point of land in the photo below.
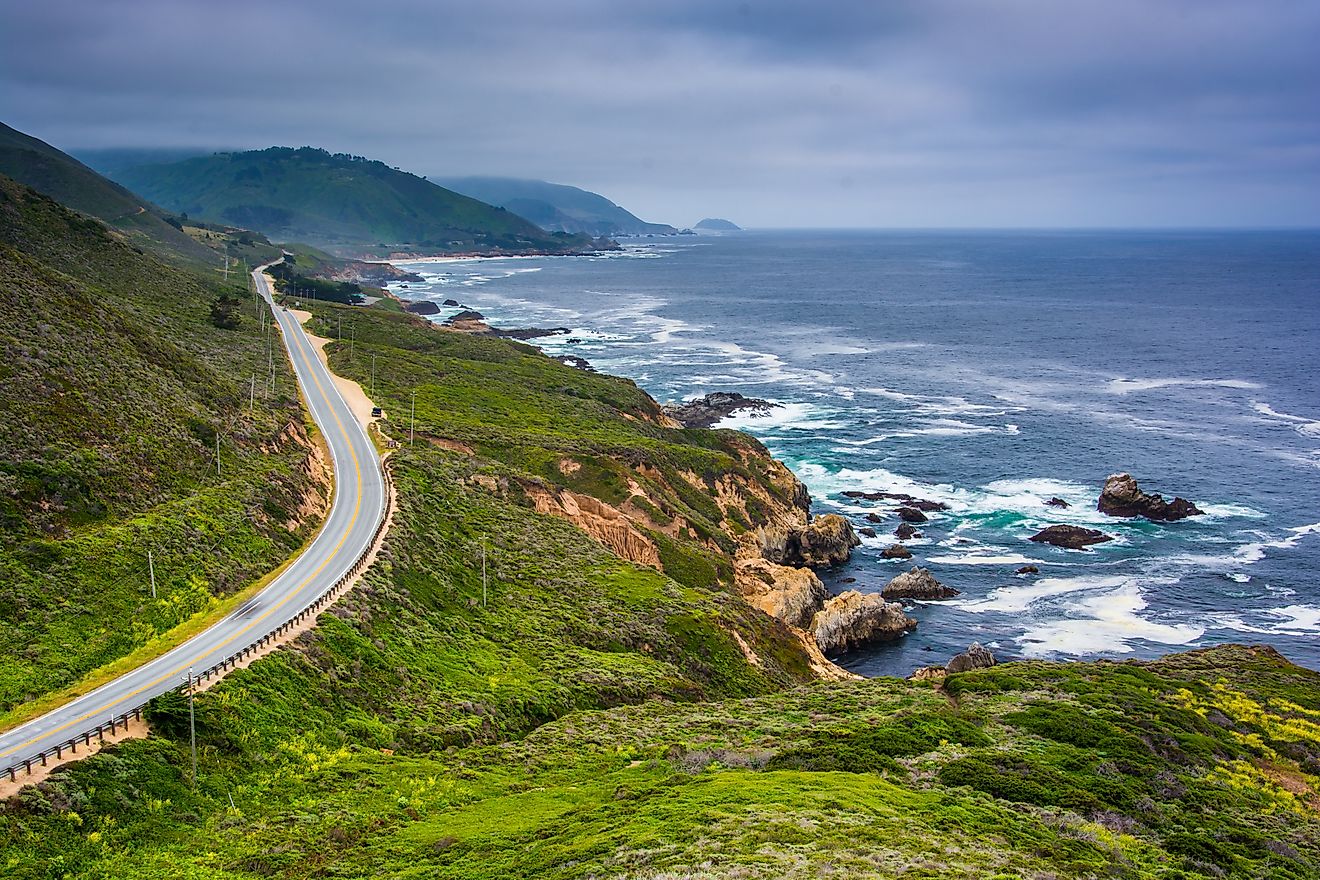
(716, 224)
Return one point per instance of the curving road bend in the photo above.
(357, 509)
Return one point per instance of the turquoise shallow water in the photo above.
(992, 371)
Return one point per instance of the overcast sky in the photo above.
(868, 113)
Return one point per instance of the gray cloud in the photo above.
(929, 112)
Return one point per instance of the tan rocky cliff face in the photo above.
(607, 524)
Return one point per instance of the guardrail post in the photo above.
(28, 764)
(13, 775)
(43, 759)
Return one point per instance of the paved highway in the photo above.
(358, 507)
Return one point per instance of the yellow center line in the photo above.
(300, 341)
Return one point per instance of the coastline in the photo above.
(1134, 597)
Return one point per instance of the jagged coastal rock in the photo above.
(896, 551)
(866, 532)
(828, 541)
(1056, 501)
(917, 584)
(906, 531)
(1070, 537)
(1028, 569)
(975, 657)
(851, 620)
(792, 595)
(1123, 497)
(911, 515)
(706, 411)
(423, 307)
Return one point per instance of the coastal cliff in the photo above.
(505, 694)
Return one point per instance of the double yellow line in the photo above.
(300, 341)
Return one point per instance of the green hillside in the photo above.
(344, 203)
(68, 181)
(584, 717)
(115, 382)
(556, 207)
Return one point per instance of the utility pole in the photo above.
(252, 395)
(192, 727)
(483, 572)
(352, 342)
(151, 569)
(217, 453)
(373, 377)
(412, 417)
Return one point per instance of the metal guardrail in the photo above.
(311, 610)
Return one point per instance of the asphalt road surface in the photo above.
(359, 505)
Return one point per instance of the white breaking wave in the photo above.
(1301, 424)
(1123, 385)
(1106, 623)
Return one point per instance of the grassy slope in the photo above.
(342, 202)
(65, 179)
(114, 384)
(419, 733)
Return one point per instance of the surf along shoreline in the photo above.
(1034, 641)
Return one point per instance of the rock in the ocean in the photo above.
(1123, 497)
(917, 584)
(906, 531)
(911, 515)
(851, 620)
(975, 657)
(1028, 569)
(875, 518)
(1070, 537)
(1056, 501)
(896, 551)
(866, 531)
(706, 411)
(828, 540)
(452, 303)
(422, 307)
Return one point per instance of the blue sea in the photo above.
(992, 371)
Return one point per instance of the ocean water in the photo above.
(991, 371)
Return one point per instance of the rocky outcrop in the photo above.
(975, 657)
(906, 531)
(866, 532)
(605, 523)
(825, 541)
(1027, 569)
(422, 307)
(852, 620)
(792, 595)
(917, 584)
(896, 551)
(363, 272)
(903, 497)
(1070, 537)
(706, 411)
(1123, 497)
(912, 515)
(1056, 501)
